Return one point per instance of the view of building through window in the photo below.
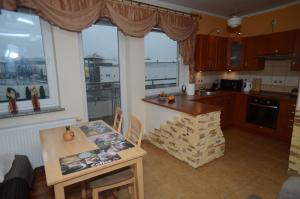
(101, 67)
(161, 61)
(22, 59)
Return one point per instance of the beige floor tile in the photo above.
(252, 164)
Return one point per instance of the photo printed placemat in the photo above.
(89, 159)
(95, 128)
(113, 141)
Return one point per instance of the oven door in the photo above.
(263, 115)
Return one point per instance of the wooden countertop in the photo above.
(192, 104)
(185, 104)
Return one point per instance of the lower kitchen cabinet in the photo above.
(286, 119)
(226, 103)
(239, 110)
(234, 113)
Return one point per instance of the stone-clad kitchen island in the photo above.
(190, 131)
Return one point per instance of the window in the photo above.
(24, 62)
(161, 61)
(101, 66)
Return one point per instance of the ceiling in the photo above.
(231, 7)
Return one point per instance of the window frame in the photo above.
(174, 89)
(48, 45)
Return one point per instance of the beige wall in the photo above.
(208, 24)
(67, 52)
(286, 19)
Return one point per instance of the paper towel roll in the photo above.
(190, 90)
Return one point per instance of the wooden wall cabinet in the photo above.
(210, 53)
(282, 42)
(254, 46)
(296, 54)
(235, 54)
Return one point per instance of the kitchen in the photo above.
(252, 73)
(226, 126)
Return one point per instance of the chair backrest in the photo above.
(135, 131)
(118, 120)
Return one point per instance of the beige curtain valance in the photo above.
(133, 20)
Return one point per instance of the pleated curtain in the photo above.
(132, 19)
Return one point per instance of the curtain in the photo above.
(182, 29)
(133, 20)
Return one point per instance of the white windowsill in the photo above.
(31, 112)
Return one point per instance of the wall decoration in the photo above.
(35, 99)
(12, 102)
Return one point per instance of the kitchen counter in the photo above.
(185, 104)
(192, 104)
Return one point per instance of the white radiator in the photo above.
(25, 140)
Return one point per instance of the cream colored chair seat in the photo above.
(112, 178)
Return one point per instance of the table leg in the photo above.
(140, 178)
(59, 191)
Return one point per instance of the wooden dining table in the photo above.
(54, 147)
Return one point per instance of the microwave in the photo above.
(231, 84)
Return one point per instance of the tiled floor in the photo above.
(252, 164)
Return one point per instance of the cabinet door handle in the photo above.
(290, 126)
(291, 120)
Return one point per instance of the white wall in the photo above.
(68, 62)
(133, 62)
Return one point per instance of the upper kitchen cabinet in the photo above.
(253, 46)
(282, 42)
(211, 53)
(201, 53)
(235, 54)
(296, 54)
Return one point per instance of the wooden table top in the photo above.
(54, 147)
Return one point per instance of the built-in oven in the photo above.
(263, 111)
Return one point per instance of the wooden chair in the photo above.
(135, 129)
(124, 176)
(118, 120)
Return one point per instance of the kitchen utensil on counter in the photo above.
(256, 84)
(247, 86)
(190, 90)
(183, 88)
(294, 92)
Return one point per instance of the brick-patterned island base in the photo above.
(196, 140)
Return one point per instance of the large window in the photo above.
(24, 62)
(161, 61)
(101, 66)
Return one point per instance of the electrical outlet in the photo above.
(278, 80)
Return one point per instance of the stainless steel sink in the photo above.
(206, 93)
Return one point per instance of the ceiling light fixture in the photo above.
(234, 21)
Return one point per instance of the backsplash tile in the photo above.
(276, 76)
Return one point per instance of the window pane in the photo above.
(161, 61)
(101, 65)
(22, 59)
